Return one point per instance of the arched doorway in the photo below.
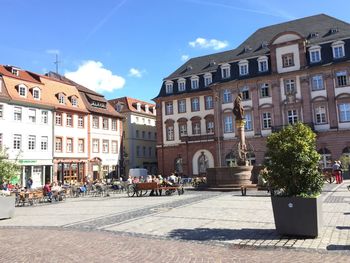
(201, 160)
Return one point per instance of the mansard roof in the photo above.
(315, 29)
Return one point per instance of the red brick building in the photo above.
(289, 72)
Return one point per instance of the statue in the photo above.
(178, 165)
(202, 163)
(238, 110)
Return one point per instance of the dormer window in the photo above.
(333, 30)
(169, 87)
(313, 34)
(262, 64)
(338, 49)
(207, 79)
(15, 71)
(182, 84)
(195, 82)
(36, 93)
(138, 106)
(22, 90)
(226, 71)
(315, 54)
(74, 100)
(243, 68)
(61, 98)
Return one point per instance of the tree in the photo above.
(8, 170)
(293, 162)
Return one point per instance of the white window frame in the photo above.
(263, 60)
(114, 125)
(69, 146)
(44, 117)
(37, 91)
(195, 82)
(210, 126)
(320, 114)
(181, 84)
(195, 104)
(228, 124)
(292, 116)
(31, 142)
(105, 146)
(317, 82)
(227, 96)
(245, 93)
(114, 146)
(344, 78)
(312, 53)
(290, 86)
(196, 129)
(105, 123)
(181, 106)
(74, 102)
(344, 112)
(243, 67)
(61, 99)
(169, 87)
(1, 111)
(95, 145)
(209, 102)
(32, 115)
(208, 79)
(22, 88)
(17, 141)
(81, 145)
(44, 143)
(58, 118)
(263, 88)
(17, 114)
(69, 120)
(183, 129)
(170, 133)
(225, 71)
(248, 121)
(95, 122)
(336, 47)
(80, 121)
(169, 108)
(266, 120)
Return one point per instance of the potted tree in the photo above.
(293, 172)
(8, 173)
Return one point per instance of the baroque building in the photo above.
(289, 72)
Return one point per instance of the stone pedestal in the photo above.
(226, 177)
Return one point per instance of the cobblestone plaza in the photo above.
(194, 227)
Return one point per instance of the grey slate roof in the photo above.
(321, 24)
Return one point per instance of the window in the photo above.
(207, 79)
(315, 54)
(137, 134)
(105, 146)
(170, 133)
(95, 122)
(320, 115)
(74, 102)
(1, 111)
(69, 148)
(289, 86)
(225, 71)
(195, 82)
(262, 64)
(69, 120)
(61, 99)
(288, 60)
(150, 151)
(144, 151)
(17, 114)
(114, 147)
(105, 123)
(80, 121)
(17, 141)
(342, 79)
(195, 104)
(181, 106)
(169, 108)
(58, 118)
(209, 104)
(169, 87)
(81, 145)
(114, 125)
(227, 96)
(181, 84)
(58, 144)
(243, 68)
(317, 82)
(31, 142)
(292, 116)
(338, 49)
(245, 94)
(326, 158)
(149, 135)
(36, 93)
(22, 90)
(264, 90)
(143, 134)
(95, 145)
(228, 124)
(196, 128)
(210, 126)
(183, 129)
(32, 115)
(44, 143)
(44, 116)
(344, 112)
(266, 116)
(138, 151)
(248, 121)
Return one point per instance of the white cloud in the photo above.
(134, 72)
(93, 75)
(185, 57)
(208, 43)
(52, 51)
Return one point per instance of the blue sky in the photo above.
(126, 47)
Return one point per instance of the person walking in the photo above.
(29, 183)
(336, 171)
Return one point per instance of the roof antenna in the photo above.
(56, 63)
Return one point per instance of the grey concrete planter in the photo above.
(7, 206)
(297, 216)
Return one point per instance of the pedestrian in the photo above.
(340, 171)
(336, 171)
(29, 183)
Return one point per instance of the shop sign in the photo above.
(27, 161)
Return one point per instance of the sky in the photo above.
(127, 47)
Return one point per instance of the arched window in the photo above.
(230, 160)
(326, 158)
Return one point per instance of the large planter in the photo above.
(297, 216)
(7, 206)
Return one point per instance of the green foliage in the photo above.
(8, 170)
(293, 161)
(345, 162)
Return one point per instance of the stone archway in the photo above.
(195, 158)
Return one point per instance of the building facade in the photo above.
(289, 72)
(139, 134)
